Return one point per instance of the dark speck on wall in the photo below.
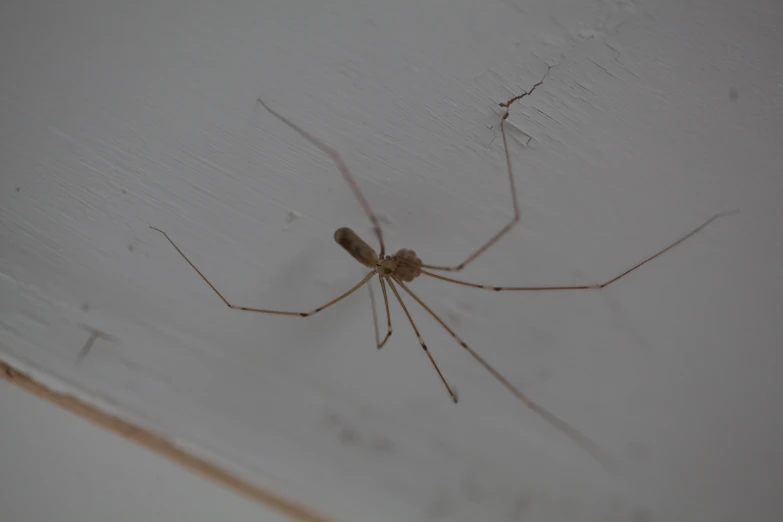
(383, 446)
(18, 189)
(131, 248)
(350, 437)
(95, 335)
(733, 94)
(85, 307)
(642, 515)
(347, 436)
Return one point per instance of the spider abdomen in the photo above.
(354, 245)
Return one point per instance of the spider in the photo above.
(404, 266)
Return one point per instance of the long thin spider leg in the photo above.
(580, 287)
(338, 160)
(378, 342)
(374, 314)
(264, 310)
(582, 440)
(421, 341)
(505, 229)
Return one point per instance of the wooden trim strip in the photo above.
(160, 445)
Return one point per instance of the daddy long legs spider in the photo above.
(404, 266)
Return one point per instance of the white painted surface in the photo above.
(55, 466)
(117, 116)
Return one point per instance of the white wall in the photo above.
(119, 115)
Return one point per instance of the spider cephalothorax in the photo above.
(407, 265)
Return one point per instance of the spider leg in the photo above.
(583, 441)
(421, 341)
(503, 231)
(265, 310)
(341, 166)
(378, 342)
(580, 287)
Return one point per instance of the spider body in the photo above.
(404, 265)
